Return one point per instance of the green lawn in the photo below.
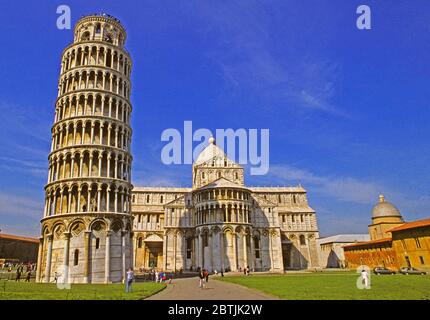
(11, 290)
(337, 286)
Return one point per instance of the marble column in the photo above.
(252, 253)
(39, 260)
(165, 251)
(87, 240)
(66, 257)
(123, 247)
(234, 238)
(175, 239)
(245, 252)
(107, 257)
(48, 259)
(221, 249)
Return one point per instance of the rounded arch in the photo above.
(77, 226)
(116, 226)
(98, 225)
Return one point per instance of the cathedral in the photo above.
(220, 224)
(95, 225)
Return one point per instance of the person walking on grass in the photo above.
(27, 278)
(206, 273)
(365, 278)
(129, 280)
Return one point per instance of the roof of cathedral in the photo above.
(369, 243)
(385, 209)
(345, 238)
(221, 183)
(413, 224)
(277, 189)
(210, 152)
(161, 189)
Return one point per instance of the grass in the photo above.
(337, 286)
(11, 290)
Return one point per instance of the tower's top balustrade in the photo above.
(100, 27)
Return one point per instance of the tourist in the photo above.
(129, 280)
(365, 278)
(27, 279)
(55, 277)
(170, 277)
(201, 279)
(156, 276)
(18, 274)
(247, 270)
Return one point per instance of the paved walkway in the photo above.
(188, 289)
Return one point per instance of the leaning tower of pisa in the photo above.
(86, 228)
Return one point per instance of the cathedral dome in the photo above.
(210, 152)
(385, 209)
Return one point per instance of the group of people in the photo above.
(20, 271)
(163, 276)
(155, 275)
(246, 271)
(203, 277)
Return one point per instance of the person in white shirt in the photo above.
(365, 278)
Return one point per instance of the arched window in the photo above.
(203, 175)
(139, 243)
(76, 258)
(98, 28)
(236, 175)
(257, 247)
(108, 38)
(85, 36)
(161, 199)
(147, 198)
(302, 240)
(97, 243)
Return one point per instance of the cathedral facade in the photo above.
(220, 224)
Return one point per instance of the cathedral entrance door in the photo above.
(155, 254)
(286, 255)
(153, 259)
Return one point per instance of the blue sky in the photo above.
(347, 109)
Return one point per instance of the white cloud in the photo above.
(340, 188)
(353, 190)
(249, 58)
